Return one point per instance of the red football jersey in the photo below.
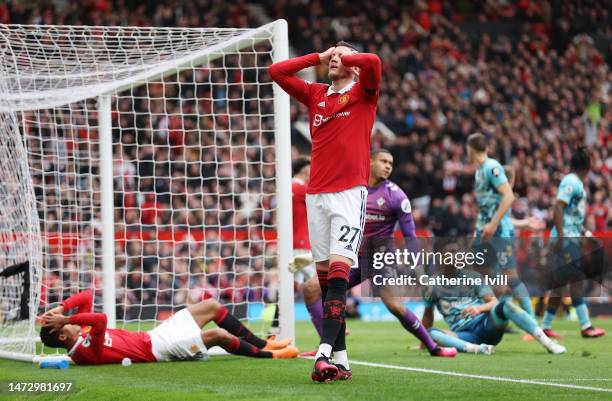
(300, 218)
(340, 122)
(99, 345)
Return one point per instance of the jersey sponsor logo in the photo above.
(319, 119)
(322, 104)
(343, 99)
(380, 201)
(406, 207)
(375, 217)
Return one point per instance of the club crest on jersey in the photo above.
(496, 172)
(343, 99)
(380, 202)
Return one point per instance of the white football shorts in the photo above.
(178, 338)
(335, 223)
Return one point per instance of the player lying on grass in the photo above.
(386, 206)
(89, 342)
(476, 318)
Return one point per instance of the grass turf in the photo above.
(588, 363)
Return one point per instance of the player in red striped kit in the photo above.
(341, 118)
(90, 342)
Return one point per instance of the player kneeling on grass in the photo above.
(474, 315)
(89, 342)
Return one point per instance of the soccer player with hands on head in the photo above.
(90, 342)
(341, 119)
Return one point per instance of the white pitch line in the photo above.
(482, 377)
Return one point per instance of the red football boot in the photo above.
(592, 332)
(343, 373)
(324, 370)
(444, 352)
(550, 333)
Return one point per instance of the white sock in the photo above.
(341, 358)
(324, 350)
(469, 347)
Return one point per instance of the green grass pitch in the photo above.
(588, 363)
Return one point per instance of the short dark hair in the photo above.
(581, 160)
(376, 152)
(299, 164)
(477, 141)
(346, 44)
(51, 338)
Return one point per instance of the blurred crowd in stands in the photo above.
(533, 76)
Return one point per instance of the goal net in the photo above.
(151, 165)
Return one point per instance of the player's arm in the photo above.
(83, 301)
(97, 322)
(564, 197)
(403, 213)
(283, 73)
(505, 191)
(370, 68)
(558, 216)
(490, 302)
(530, 223)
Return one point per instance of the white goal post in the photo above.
(152, 165)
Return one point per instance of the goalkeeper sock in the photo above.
(238, 346)
(227, 321)
(582, 312)
(413, 325)
(316, 315)
(334, 306)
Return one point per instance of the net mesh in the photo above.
(193, 166)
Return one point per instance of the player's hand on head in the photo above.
(54, 311)
(54, 321)
(325, 57)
